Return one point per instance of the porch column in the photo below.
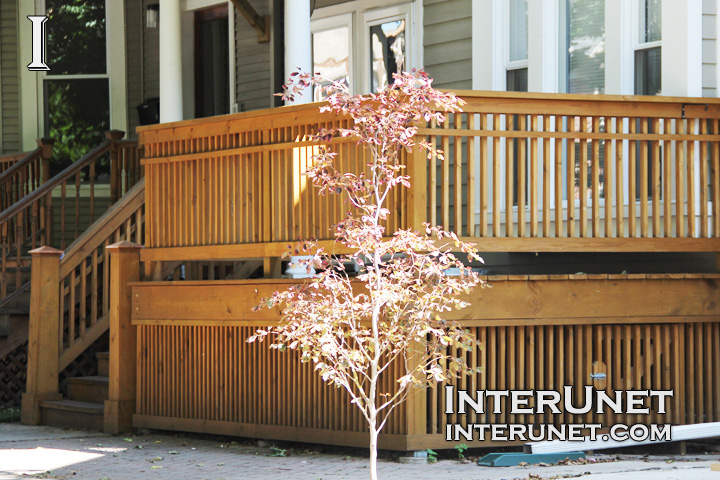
(297, 43)
(171, 98)
(682, 48)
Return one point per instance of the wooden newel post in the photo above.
(44, 334)
(46, 144)
(114, 136)
(120, 406)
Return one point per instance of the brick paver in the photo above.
(48, 453)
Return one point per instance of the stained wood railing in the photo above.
(9, 159)
(523, 172)
(85, 274)
(550, 171)
(60, 209)
(25, 174)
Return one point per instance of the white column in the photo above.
(543, 49)
(488, 59)
(298, 52)
(619, 54)
(171, 91)
(682, 48)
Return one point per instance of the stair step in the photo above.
(73, 414)
(92, 389)
(103, 359)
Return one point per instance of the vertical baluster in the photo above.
(521, 170)
(679, 179)
(667, 179)
(509, 177)
(558, 178)
(82, 308)
(471, 177)
(583, 176)
(546, 177)
(483, 176)
(644, 180)
(656, 179)
(610, 144)
(497, 178)
(703, 180)
(715, 169)
(77, 205)
(92, 192)
(445, 202)
(94, 286)
(457, 160)
(619, 179)
(19, 237)
(571, 179)
(596, 178)
(71, 309)
(534, 178)
(691, 178)
(632, 181)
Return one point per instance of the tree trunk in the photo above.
(373, 445)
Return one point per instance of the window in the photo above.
(331, 40)
(76, 89)
(648, 50)
(586, 46)
(517, 62)
(365, 42)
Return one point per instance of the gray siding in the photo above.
(447, 42)
(254, 87)
(709, 54)
(9, 91)
(134, 26)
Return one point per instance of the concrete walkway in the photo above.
(52, 453)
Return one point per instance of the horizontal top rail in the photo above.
(56, 180)
(21, 163)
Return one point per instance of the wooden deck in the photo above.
(524, 173)
(224, 197)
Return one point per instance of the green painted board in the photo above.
(512, 459)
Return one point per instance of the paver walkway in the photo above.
(51, 453)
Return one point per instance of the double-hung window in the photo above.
(648, 48)
(517, 59)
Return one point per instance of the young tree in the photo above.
(354, 329)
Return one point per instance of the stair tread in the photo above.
(102, 355)
(74, 406)
(90, 380)
(15, 311)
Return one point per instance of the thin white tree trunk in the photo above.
(373, 445)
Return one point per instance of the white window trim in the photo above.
(510, 64)
(339, 21)
(32, 99)
(364, 11)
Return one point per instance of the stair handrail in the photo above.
(123, 221)
(48, 186)
(43, 151)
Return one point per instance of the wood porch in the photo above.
(523, 173)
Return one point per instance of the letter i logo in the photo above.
(38, 43)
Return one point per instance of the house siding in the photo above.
(9, 85)
(447, 42)
(709, 49)
(254, 87)
(134, 26)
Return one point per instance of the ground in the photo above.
(52, 453)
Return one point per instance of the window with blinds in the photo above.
(586, 46)
(517, 64)
(648, 58)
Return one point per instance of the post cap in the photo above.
(46, 251)
(114, 134)
(124, 245)
(45, 141)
